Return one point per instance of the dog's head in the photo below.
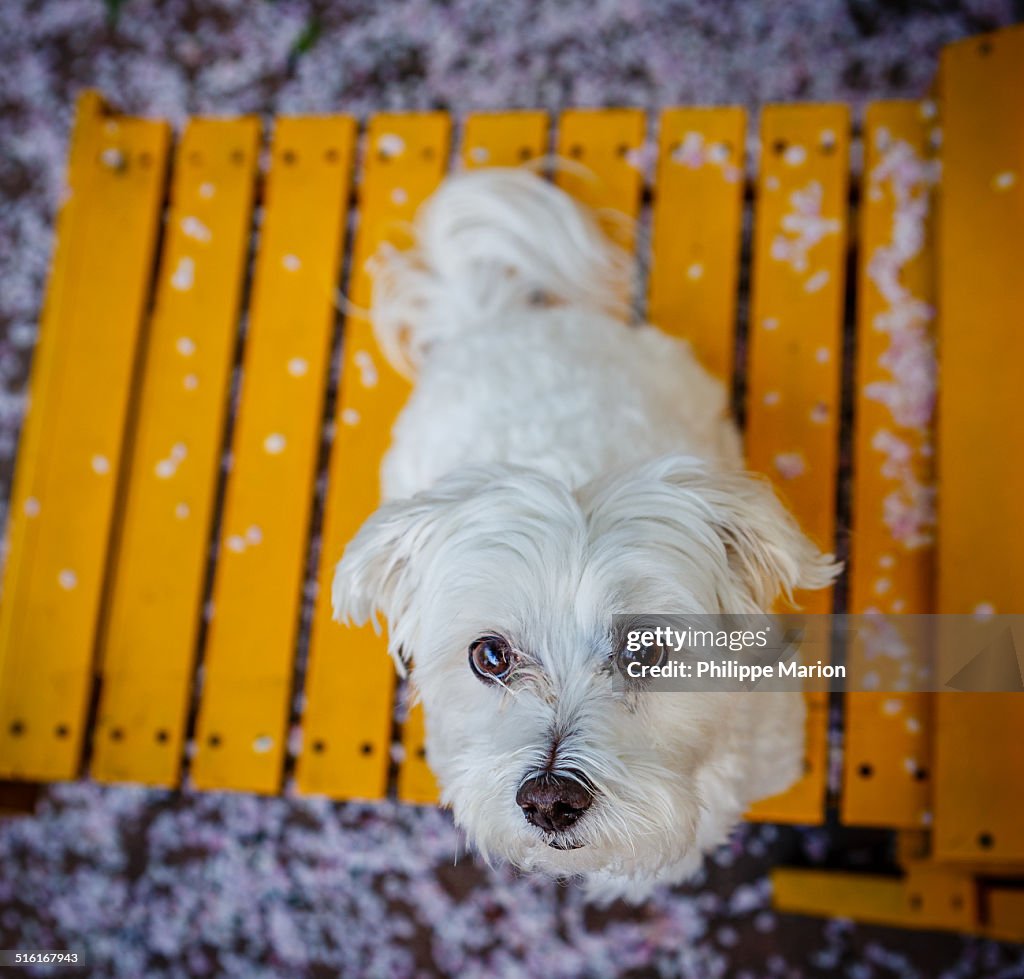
(500, 584)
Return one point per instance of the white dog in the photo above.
(555, 467)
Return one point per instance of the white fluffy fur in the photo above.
(554, 467)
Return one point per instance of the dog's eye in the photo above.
(645, 656)
(491, 658)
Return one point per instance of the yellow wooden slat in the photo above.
(416, 781)
(70, 456)
(886, 771)
(604, 142)
(503, 139)
(491, 139)
(940, 897)
(979, 745)
(695, 241)
(835, 894)
(346, 726)
(928, 897)
(887, 759)
(1004, 915)
(46, 364)
(795, 348)
(914, 849)
(159, 568)
(912, 845)
(263, 535)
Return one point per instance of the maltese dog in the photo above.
(553, 470)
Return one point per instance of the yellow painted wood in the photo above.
(605, 143)
(835, 894)
(914, 848)
(503, 139)
(159, 569)
(796, 314)
(979, 743)
(887, 759)
(794, 359)
(416, 782)
(695, 240)
(1004, 914)
(350, 680)
(887, 747)
(929, 898)
(247, 664)
(70, 456)
(912, 845)
(44, 369)
(939, 897)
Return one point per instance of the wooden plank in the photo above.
(695, 241)
(258, 581)
(794, 360)
(940, 897)
(835, 894)
(70, 458)
(416, 782)
(979, 744)
(604, 143)
(350, 680)
(886, 766)
(928, 897)
(491, 139)
(503, 139)
(1004, 919)
(914, 848)
(159, 569)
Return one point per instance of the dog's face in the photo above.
(501, 585)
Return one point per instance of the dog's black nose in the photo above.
(554, 802)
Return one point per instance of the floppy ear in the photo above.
(765, 546)
(379, 572)
(732, 517)
(373, 574)
(385, 564)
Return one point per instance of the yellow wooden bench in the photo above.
(161, 519)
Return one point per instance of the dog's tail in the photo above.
(487, 243)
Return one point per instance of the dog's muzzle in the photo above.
(554, 802)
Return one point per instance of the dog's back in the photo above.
(510, 313)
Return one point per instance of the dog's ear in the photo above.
(387, 565)
(376, 574)
(765, 546)
(368, 578)
(754, 538)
